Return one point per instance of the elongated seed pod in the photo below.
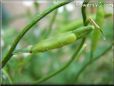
(96, 33)
(61, 39)
(71, 26)
(54, 42)
(78, 23)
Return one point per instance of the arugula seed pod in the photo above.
(62, 39)
(78, 23)
(99, 20)
(72, 26)
(54, 42)
(96, 34)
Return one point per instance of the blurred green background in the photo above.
(26, 68)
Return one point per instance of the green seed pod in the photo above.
(79, 23)
(72, 26)
(62, 39)
(96, 33)
(54, 42)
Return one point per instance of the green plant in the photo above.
(72, 33)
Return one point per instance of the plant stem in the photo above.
(7, 75)
(48, 32)
(90, 62)
(64, 67)
(28, 27)
(84, 12)
(52, 22)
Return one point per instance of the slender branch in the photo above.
(62, 68)
(47, 33)
(84, 11)
(83, 8)
(52, 22)
(7, 75)
(90, 62)
(28, 27)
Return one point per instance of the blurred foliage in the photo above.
(23, 68)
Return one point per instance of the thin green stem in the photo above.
(64, 67)
(7, 75)
(83, 8)
(52, 22)
(90, 62)
(28, 27)
(84, 11)
(48, 32)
